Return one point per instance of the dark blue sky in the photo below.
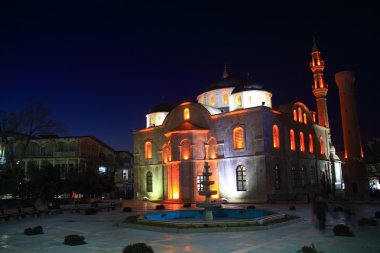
(101, 65)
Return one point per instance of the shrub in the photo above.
(90, 211)
(292, 208)
(377, 214)
(308, 249)
(342, 230)
(187, 205)
(338, 209)
(367, 222)
(33, 231)
(160, 207)
(73, 240)
(251, 207)
(138, 248)
(127, 209)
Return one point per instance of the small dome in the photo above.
(162, 108)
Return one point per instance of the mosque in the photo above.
(256, 153)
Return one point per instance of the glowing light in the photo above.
(304, 118)
(212, 100)
(311, 146)
(302, 142)
(148, 150)
(175, 195)
(299, 114)
(185, 149)
(292, 141)
(225, 98)
(238, 136)
(322, 143)
(294, 115)
(238, 98)
(173, 181)
(186, 114)
(276, 137)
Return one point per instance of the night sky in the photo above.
(101, 65)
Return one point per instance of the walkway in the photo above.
(102, 235)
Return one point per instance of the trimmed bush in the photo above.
(292, 208)
(309, 249)
(90, 211)
(186, 205)
(74, 240)
(342, 230)
(251, 207)
(33, 231)
(377, 214)
(367, 222)
(127, 209)
(138, 248)
(160, 207)
(338, 209)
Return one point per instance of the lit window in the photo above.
(292, 140)
(199, 183)
(212, 100)
(225, 98)
(250, 100)
(165, 154)
(212, 148)
(294, 115)
(276, 137)
(125, 174)
(304, 118)
(322, 143)
(238, 135)
(149, 182)
(186, 114)
(148, 150)
(311, 146)
(238, 98)
(203, 99)
(151, 120)
(299, 114)
(185, 149)
(241, 181)
(302, 142)
(277, 177)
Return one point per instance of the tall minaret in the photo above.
(319, 87)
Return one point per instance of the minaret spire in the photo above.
(319, 87)
(225, 73)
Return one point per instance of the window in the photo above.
(299, 114)
(125, 174)
(213, 152)
(238, 135)
(148, 150)
(322, 142)
(304, 118)
(199, 183)
(165, 154)
(186, 114)
(276, 137)
(277, 177)
(241, 178)
(225, 98)
(294, 115)
(238, 99)
(311, 146)
(302, 142)
(149, 182)
(292, 141)
(185, 149)
(212, 100)
(203, 100)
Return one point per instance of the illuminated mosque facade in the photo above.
(256, 153)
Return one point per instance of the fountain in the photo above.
(207, 204)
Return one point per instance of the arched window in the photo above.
(238, 99)
(225, 98)
(165, 154)
(241, 181)
(148, 150)
(299, 114)
(294, 115)
(149, 182)
(277, 177)
(302, 142)
(185, 150)
(238, 135)
(322, 143)
(304, 118)
(292, 140)
(212, 100)
(213, 152)
(203, 100)
(186, 114)
(276, 137)
(311, 145)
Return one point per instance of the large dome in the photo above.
(227, 82)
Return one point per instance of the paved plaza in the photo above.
(103, 235)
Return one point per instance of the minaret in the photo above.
(319, 87)
(225, 72)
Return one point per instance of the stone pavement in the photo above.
(103, 235)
